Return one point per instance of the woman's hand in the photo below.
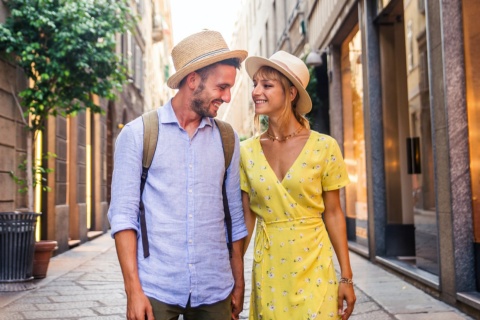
(346, 293)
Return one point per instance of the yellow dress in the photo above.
(293, 274)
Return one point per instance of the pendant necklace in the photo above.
(273, 138)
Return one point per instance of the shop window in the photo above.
(471, 11)
(354, 138)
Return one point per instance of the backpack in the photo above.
(150, 137)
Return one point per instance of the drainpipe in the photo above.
(285, 31)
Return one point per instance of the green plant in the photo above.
(312, 89)
(317, 88)
(67, 50)
(38, 174)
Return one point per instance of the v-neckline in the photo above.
(293, 163)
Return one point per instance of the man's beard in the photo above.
(200, 105)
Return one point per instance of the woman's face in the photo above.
(268, 96)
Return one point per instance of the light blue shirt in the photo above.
(183, 209)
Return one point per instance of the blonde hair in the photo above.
(272, 74)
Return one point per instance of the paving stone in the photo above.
(72, 275)
(10, 315)
(361, 296)
(101, 278)
(104, 287)
(100, 290)
(58, 291)
(19, 307)
(85, 297)
(412, 306)
(430, 316)
(43, 292)
(365, 307)
(114, 317)
(68, 305)
(114, 303)
(112, 310)
(59, 314)
(375, 315)
(35, 299)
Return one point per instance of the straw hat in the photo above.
(200, 50)
(291, 67)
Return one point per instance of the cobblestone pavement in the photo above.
(85, 283)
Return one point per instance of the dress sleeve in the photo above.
(335, 174)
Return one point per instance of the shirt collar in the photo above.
(167, 115)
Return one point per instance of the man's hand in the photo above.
(237, 302)
(238, 291)
(139, 307)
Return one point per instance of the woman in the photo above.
(290, 179)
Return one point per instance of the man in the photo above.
(188, 270)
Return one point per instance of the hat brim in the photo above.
(304, 103)
(177, 77)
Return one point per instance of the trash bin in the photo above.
(17, 244)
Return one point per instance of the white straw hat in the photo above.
(291, 67)
(200, 50)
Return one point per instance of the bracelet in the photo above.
(345, 280)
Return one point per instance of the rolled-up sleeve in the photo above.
(124, 205)
(234, 196)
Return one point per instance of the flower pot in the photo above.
(43, 252)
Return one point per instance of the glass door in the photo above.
(411, 231)
(471, 11)
(419, 142)
(354, 139)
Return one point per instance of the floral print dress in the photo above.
(293, 273)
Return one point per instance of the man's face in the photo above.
(214, 90)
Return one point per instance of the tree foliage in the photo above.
(317, 88)
(67, 49)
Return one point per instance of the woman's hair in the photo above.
(272, 74)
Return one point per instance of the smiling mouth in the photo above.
(260, 101)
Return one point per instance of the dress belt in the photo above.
(262, 241)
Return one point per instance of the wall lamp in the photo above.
(314, 59)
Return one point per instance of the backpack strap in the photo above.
(228, 142)
(150, 137)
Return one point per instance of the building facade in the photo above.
(399, 82)
(75, 209)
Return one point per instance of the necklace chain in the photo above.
(285, 138)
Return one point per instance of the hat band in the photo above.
(203, 56)
(284, 66)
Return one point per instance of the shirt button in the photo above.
(190, 216)
(190, 241)
(190, 166)
(190, 190)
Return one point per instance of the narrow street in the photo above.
(85, 283)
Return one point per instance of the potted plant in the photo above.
(43, 252)
(66, 48)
